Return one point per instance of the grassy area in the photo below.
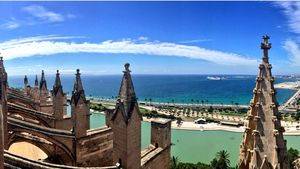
(145, 112)
(189, 112)
(98, 106)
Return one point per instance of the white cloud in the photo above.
(292, 10)
(19, 41)
(44, 14)
(293, 50)
(50, 45)
(196, 40)
(143, 38)
(10, 25)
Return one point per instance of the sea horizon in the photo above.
(167, 88)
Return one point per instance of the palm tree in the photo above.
(174, 162)
(221, 161)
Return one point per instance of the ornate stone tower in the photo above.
(263, 146)
(26, 86)
(59, 99)
(25, 82)
(3, 112)
(127, 126)
(3, 98)
(35, 92)
(80, 109)
(36, 82)
(43, 89)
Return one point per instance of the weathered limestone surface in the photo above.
(157, 159)
(80, 109)
(158, 154)
(263, 145)
(96, 149)
(3, 113)
(126, 123)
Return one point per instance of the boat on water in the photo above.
(215, 78)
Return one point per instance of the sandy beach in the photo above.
(290, 128)
(288, 85)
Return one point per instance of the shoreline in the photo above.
(290, 127)
(191, 126)
(288, 85)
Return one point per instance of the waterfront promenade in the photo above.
(291, 104)
(156, 104)
(292, 128)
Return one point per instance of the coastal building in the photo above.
(38, 116)
(263, 145)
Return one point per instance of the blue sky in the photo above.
(155, 37)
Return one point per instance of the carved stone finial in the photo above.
(77, 71)
(127, 65)
(266, 39)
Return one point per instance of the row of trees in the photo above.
(221, 161)
(192, 101)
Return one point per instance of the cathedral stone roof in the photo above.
(263, 146)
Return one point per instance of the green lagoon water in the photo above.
(198, 146)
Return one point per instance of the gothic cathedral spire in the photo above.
(126, 121)
(57, 87)
(263, 145)
(59, 99)
(80, 112)
(43, 83)
(36, 82)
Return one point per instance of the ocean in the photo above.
(168, 88)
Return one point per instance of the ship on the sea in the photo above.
(215, 78)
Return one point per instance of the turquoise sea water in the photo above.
(189, 146)
(165, 88)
